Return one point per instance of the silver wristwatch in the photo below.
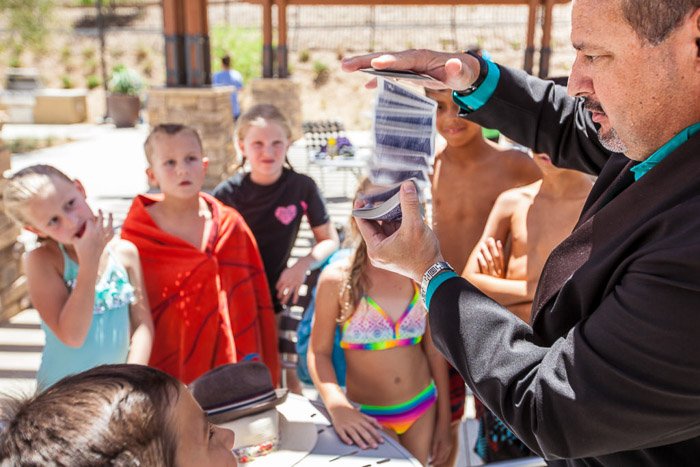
(433, 271)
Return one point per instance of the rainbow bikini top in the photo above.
(370, 328)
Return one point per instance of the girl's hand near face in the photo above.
(97, 234)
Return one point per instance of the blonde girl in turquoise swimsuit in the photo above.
(86, 286)
(396, 380)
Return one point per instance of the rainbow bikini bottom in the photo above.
(400, 417)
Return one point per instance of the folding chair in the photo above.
(289, 322)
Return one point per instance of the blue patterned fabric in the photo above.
(108, 338)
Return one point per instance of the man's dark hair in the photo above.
(654, 20)
(226, 60)
(168, 129)
(110, 415)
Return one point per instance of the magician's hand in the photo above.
(455, 70)
(407, 247)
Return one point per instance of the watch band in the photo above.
(433, 271)
(483, 71)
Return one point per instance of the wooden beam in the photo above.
(282, 69)
(546, 50)
(404, 2)
(530, 38)
(267, 39)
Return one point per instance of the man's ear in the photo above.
(151, 177)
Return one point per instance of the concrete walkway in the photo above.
(110, 163)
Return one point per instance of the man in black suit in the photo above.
(608, 372)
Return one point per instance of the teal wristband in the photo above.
(483, 93)
(434, 283)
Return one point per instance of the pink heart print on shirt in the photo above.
(286, 214)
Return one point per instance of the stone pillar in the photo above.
(14, 296)
(207, 110)
(282, 93)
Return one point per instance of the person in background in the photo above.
(229, 77)
(86, 285)
(273, 199)
(469, 173)
(203, 272)
(119, 415)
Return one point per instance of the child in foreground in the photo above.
(273, 199)
(396, 379)
(469, 174)
(118, 415)
(204, 276)
(525, 225)
(86, 285)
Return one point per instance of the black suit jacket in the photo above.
(609, 371)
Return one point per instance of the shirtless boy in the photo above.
(469, 174)
(523, 228)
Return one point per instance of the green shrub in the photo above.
(244, 45)
(67, 82)
(321, 73)
(92, 81)
(125, 81)
(142, 53)
(147, 69)
(304, 56)
(15, 61)
(90, 66)
(88, 54)
(66, 53)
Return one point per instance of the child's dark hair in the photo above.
(226, 60)
(169, 129)
(24, 185)
(259, 115)
(109, 415)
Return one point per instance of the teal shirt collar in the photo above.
(660, 154)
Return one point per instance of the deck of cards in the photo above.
(404, 143)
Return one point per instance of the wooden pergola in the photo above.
(533, 6)
(186, 29)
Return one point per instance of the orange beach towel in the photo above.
(209, 307)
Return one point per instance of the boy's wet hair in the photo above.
(110, 415)
(170, 129)
(24, 185)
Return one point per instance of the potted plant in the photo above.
(124, 102)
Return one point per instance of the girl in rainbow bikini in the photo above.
(396, 379)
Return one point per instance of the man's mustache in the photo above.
(592, 106)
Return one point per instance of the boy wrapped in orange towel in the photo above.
(204, 276)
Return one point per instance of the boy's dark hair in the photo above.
(168, 129)
(226, 61)
(110, 415)
(654, 20)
